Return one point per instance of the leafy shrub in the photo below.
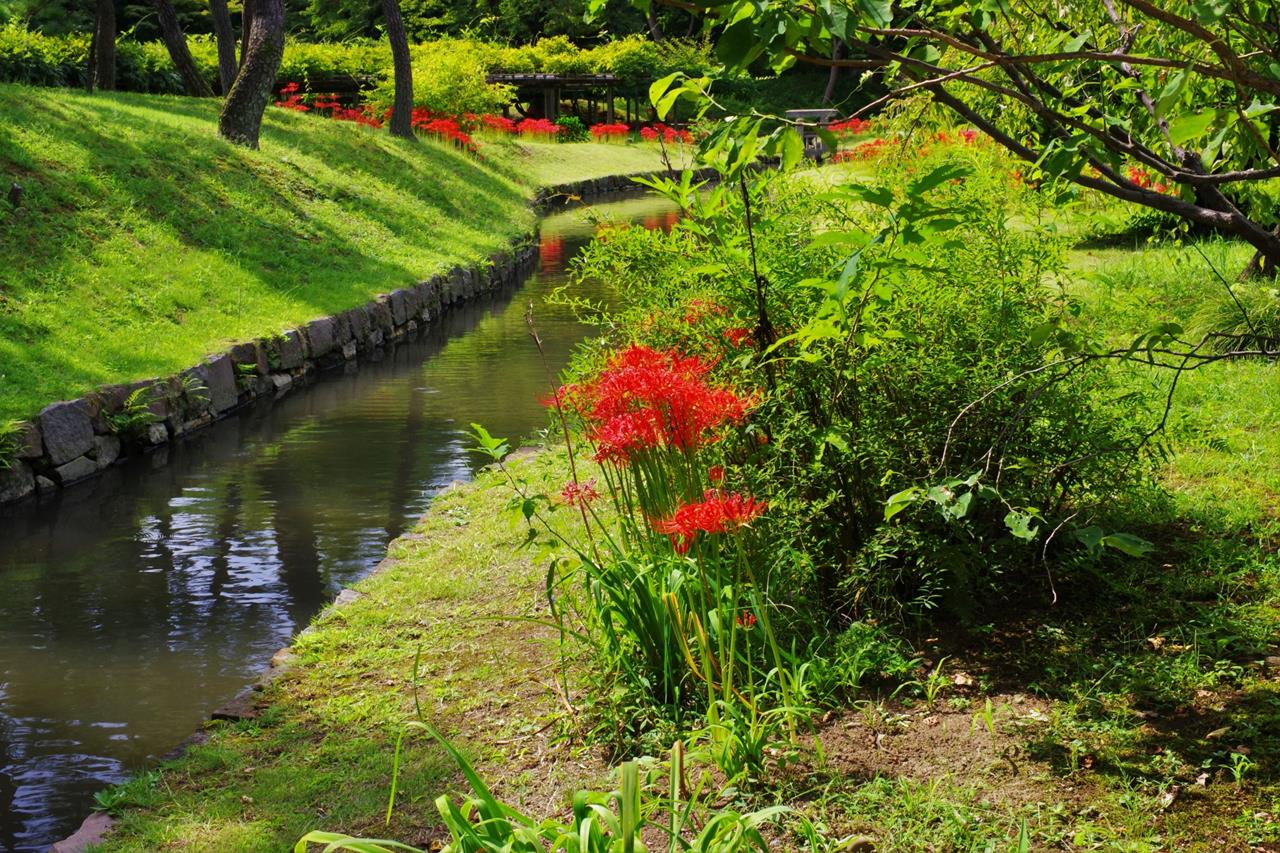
(40, 60)
(449, 79)
(912, 440)
(571, 129)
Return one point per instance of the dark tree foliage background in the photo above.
(514, 21)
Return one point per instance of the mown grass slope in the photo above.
(143, 242)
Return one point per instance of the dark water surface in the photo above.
(133, 605)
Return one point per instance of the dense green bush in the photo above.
(448, 78)
(914, 446)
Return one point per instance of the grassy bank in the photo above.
(452, 591)
(144, 243)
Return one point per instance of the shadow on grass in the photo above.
(323, 217)
(1159, 667)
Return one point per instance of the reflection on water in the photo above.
(133, 605)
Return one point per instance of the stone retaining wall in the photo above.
(73, 440)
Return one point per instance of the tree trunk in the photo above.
(655, 29)
(1262, 266)
(402, 110)
(226, 39)
(837, 53)
(174, 39)
(102, 49)
(241, 118)
(246, 25)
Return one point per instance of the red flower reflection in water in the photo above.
(551, 254)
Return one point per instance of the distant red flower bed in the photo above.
(459, 129)
(608, 132)
(658, 130)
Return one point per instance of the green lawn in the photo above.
(144, 243)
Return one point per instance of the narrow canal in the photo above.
(132, 606)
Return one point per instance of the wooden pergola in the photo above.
(548, 90)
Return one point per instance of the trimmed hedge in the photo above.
(40, 60)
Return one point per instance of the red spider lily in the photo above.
(501, 124)
(574, 494)
(646, 399)
(606, 132)
(716, 474)
(863, 151)
(444, 128)
(658, 130)
(746, 621)
(1143, 178)
(715, 513)
(292, 99)
(537, 127)
(738, 335)
(849, 127)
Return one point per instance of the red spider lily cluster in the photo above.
(849, 127)
(868, 150)
(292, 99)
(647, 399)
(738, 336)
(715, 513)
(1144, 179)
(497, 124)
(658, 130)
(617, 132)
(444, 128)
(962, 137)
(538, 127)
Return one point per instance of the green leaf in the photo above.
(1127, 543)
(738, 45)
(1077, 42)
(837, 18)
(1020, 525)
(900, 501)
(878, 13)
(792, 148)
(494, 448)
(1091, 538)
(939, 176)
(879, 196)
(659, 87)
(1210, 11)
(1041, 333)
(1183, 128)
(1171, 92)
